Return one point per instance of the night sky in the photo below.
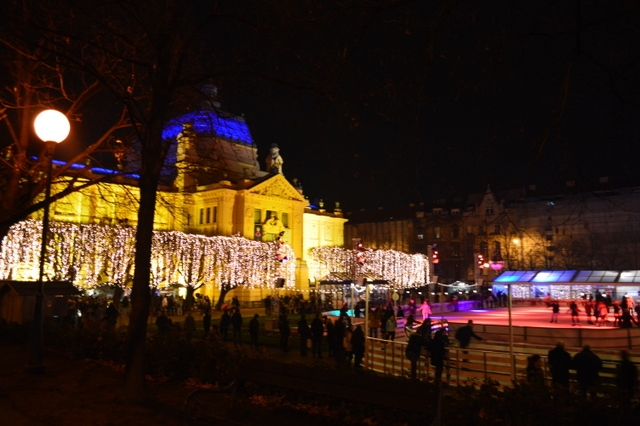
(427, 100)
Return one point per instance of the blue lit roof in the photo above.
(207, 122)
(515, 276)
(597, 276)
(629, 277)
(554, 276)
(96, 170)
(568, 276)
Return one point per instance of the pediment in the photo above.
(277, 186)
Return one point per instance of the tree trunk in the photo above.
(135, 384)
(223, 292)
(153, 155)
(188, 300)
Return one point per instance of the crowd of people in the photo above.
(599, 311)
(587, 366)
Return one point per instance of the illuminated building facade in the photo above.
(212, 185)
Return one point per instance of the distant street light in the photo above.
(52, 127)
(497, 263)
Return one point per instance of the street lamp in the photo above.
(52, 127)
(497, 263)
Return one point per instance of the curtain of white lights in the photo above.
(91, 255)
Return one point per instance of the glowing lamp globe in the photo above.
(52, 126)
(497, 265)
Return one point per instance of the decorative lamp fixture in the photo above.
(497, 263)
(52, 127)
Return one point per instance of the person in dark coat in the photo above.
(254, 330)
(285, 330)
(357, 346)
(303, 333)
(163, 322)
(559, 364)
(206, 322)
(414, 347)
(225, 322)
(317, 331)
(627, 378)
(331, 335)
(465, 333)
(587, 365)
(438, 352)
(236, 324)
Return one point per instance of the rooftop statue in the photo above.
(274, 160)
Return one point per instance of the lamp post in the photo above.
(497, 263)
(52, 127)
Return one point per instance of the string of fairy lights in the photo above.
(401, 270)
(91, 255)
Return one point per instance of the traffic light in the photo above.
(435, 256)
(281, 255)
(360, 254)
(480, 261)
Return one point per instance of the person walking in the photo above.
(535, 374)
(358, 346)
(236, 324)
(189, 327)
(206, 322)
(285, 330)
(426, 310)
(414, 346)
(575, 313)
(465, 333)
(225, 322)
(555, 310)
(303, 333)
(254, 331)
(559, 364)
(391, 326)
(626, 378)
(587, 365)
(374, 322)
(317, 331)
(438, 352)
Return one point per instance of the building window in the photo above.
(455, 249)
(215, 214)
(208, 214)
(488, 211)
(257, 216)
(437, 211)
(201, 216)
(455, 212)
(496, 229)
(455, 231)
(285, 219)
(436, 232)
(420, 236)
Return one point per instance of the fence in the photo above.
(474, 367)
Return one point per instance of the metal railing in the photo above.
(473, 366)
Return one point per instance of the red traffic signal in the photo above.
(360, 251)
(435, 257)
(480, 261)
